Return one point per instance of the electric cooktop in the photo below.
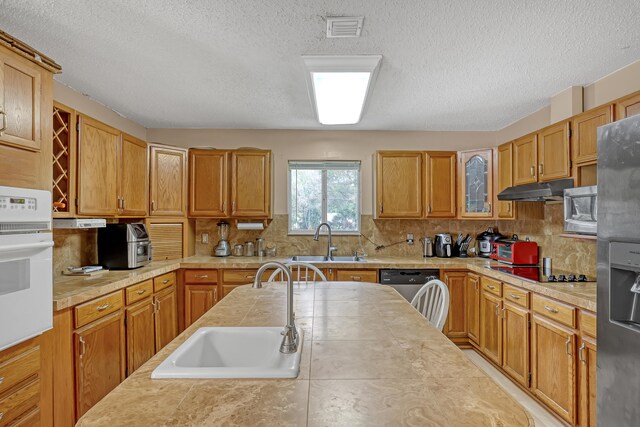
(534, 273)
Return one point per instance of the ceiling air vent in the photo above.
(344, 26)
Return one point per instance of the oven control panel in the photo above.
(17, 204)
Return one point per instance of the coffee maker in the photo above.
(443, 245)
(223, 248)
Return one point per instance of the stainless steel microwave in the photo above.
(581, 210)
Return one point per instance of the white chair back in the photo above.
(432, 301)
(301, 272)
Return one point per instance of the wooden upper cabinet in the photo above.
(628, 106)
(584, 132)
(251, 183)
(97, 188)
(20, 100)
(525, 160)
(505, 179)
(134, 177)
(208, 183)
(554, 160)
(168, 181)
(476, 184)
(398, 184)
(440, 186)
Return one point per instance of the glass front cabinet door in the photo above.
(477, 184)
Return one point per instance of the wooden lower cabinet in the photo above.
(587, 389)
(166, 317)
(491, 327)
(515, 342)
(456, 323)
(473, 307)
(100, 362)
(139, 320)
(553, 367)
(198, 299)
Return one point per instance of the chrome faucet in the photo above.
(290, 334)
(330, 247)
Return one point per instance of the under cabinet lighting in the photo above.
(339, 86)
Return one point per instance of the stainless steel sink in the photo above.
(320, 258)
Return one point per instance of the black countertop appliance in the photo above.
(485, 239)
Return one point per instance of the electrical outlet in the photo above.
(204, 238)
(409, 238)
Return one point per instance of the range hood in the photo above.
(537, 192)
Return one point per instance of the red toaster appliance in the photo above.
(515, 252)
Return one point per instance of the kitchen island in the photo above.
(368, 358)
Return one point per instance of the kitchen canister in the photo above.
(249, 249)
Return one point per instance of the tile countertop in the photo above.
(368, 358)
(69, 291)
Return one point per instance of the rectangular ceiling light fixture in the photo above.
(339, 86)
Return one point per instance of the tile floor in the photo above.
(540, 414)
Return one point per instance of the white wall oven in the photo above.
(26, 249)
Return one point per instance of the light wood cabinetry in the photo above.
(63, 192)
(440, 184)
(398, 183)
(362, 275)
(505, 210)
(491, 327)
(554, 161)
(525, 160)
(168, 239)
(587, 383)
(208, 183)
(97, 163)
(251, 184)
(515, 342)
(584, 135)
(166, 316)
(456, 324)
(198, 299)
(100, 363)
(476, 184)
(134, 177)
(473, 307)
(20, 101)
(553, 366)
(628, 106)
(139, 319)
(112, 171)
(168, 181)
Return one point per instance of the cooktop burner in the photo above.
(533, 273)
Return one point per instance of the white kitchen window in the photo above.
(324, 191)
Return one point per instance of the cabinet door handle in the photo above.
(551, 309)
(103, 307)
(514, 296)
(4, 122)
(83, 347)
(580, 351)
(533, 170)
(124, 203)
(233, 206)
(509, 207)
(215, 294)
(1, 413)
(1, 380)
(567, 345)
(503, 313)
(497, 310)
(153, 303)
(380, 207)
(153, 205)
(158, 303)
(202, 276)
(223, 206)
(540, 169)
(489, 206)
(429, 208)
(141, 291)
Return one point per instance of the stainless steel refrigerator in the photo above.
(618, 354)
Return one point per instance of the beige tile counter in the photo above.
(70, 291)
(368, 358)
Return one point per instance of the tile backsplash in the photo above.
(567, 253)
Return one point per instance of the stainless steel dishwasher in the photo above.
(407, 281)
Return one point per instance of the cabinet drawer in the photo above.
(491, 286)
(588, 324)
(19, 367)
(31, 418)
(357, 276)
(554, 310)
(20, 402)
(97, 308)
(201, 276)
(516, 295)
(164, 281)
(240, 276)
(138, 291)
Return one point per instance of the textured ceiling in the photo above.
(447, 65)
